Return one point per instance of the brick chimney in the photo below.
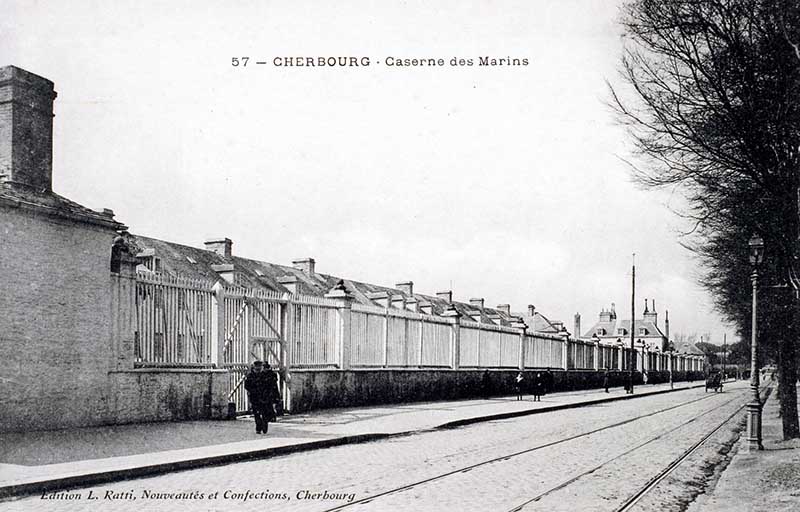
(531, 310)
(651, 314)
(577, 325)
(448, 295)
(477, 302)
(305, 264)
(406, 287)
(26, 129)
(221, 246)
(505, 308)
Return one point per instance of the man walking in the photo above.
(262, 388)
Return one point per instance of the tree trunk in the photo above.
(787, 380)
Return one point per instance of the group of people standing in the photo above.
(261, 384)
(541, 383)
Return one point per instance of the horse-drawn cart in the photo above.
(714, 381)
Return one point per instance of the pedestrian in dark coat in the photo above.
(605, 380)
(262, 389)
(538, 386)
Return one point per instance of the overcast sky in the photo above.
(504, 182)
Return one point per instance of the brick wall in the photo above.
(26, 127)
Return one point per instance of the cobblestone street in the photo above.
(589, 457)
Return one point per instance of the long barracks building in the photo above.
(100, 326)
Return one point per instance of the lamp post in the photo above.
(633, 325)
(753, 439)
(724, 353)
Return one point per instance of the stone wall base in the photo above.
(156, 394)
(322, 389)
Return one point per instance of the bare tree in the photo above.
(712, 102)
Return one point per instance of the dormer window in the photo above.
(622, 332)
(148, 259)
(601, 332)
(643, 332)
(152, 263)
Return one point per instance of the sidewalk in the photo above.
(767, 480)
(31, 462)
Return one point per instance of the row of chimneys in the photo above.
(224, 247)
(26, 160)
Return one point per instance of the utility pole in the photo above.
(633, 324)
(724, 353)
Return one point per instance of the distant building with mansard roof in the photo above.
(646, 329)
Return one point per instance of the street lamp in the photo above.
(753, 439)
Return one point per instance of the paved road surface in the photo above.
(590, 458)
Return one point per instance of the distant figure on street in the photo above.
(486, 384)
(538, 386)
(518, 385)
(644, 377)
(605, 380)
(262, 390)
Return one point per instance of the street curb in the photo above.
(53, 484)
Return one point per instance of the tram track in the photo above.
(639, 446)
(513, 455)
(631, 502)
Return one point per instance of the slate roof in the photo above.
(53, 204)
(539, 323)
(177, 260)
(687, 347)
(612, 326)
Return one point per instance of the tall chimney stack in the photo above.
(406, 287)
(577, 325)
(26, 129)
(305, 264)
(221, 246)
(448, 295)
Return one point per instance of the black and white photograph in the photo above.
(506, 256)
